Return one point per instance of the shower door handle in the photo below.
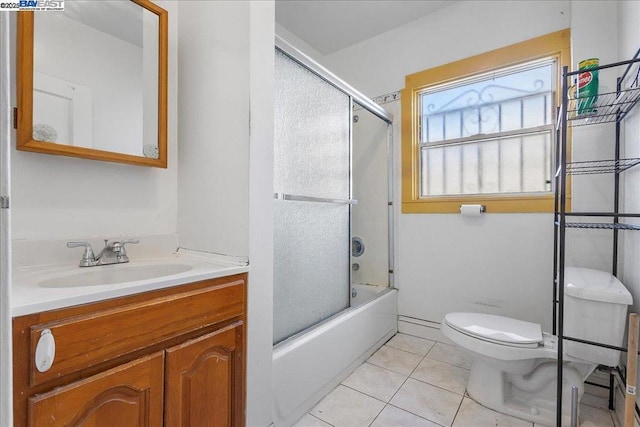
(295, 198)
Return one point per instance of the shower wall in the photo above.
(311, 210)
(370, 216)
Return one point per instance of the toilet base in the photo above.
(530, 397)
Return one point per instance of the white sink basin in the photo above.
(113, 274)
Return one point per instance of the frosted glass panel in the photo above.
(311, 158)
(312, 122)
(311, 264)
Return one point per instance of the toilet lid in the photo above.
(498, 329)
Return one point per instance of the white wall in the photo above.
(214, 127)
(378, 66)
(226, 160)
(499, 263)
(628, 44)
(260, 320)
(589, 248)
(298, 42)
(56, 197)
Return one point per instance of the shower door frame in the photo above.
(355, 96)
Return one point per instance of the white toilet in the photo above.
(514, 363)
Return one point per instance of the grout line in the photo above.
(448, 364)
(387, 369)
(381, 367)
(318, 418)
(433, 343)
(416, 367)
(399, 349)
(417, 354)
(378, 414)
(401, 385)
(441, 388)
(412, 413)
(362, 392)
(438, 360)
(457, 411)
(407, 377)
(399, 388)
(415, 379)
(413, 354)
(435, 385)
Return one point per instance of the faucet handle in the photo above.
(124, 242)
(123, 252)
(88, 258)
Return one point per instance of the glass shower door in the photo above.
(371, 255)
(312, 192)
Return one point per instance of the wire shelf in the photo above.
(602, 226)
(608, 107)
(601, 166)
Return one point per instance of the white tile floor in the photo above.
(416, 382)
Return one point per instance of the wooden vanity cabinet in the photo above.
(215, 358)
(127, 395)
(172, 357)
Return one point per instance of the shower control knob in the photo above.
(357, 246)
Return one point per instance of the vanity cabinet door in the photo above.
(204, 380)
(129, 395)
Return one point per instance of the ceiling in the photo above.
(332, 25)
(119, 19)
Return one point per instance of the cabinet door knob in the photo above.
(45, 351)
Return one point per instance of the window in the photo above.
(481, 130)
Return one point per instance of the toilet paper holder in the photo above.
(472, 210)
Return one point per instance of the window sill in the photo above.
(493, 204)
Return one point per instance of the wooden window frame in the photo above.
(556, 45)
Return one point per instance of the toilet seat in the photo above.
(497, 329)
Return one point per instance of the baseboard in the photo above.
(422, 329)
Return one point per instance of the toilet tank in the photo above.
(595, 309)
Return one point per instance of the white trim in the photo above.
(421, 328)
(389, 97)
(227, 259)
(259, 383)
(382, 99)
(6, 363)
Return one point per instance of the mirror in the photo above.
(92, 81)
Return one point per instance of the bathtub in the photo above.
(309, 365)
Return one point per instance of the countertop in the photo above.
(30, 294)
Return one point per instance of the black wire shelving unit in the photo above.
(610, 107)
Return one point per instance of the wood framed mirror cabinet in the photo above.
(92, 82)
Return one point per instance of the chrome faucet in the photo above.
(112, 253)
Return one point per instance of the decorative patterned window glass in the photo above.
(489, 134)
